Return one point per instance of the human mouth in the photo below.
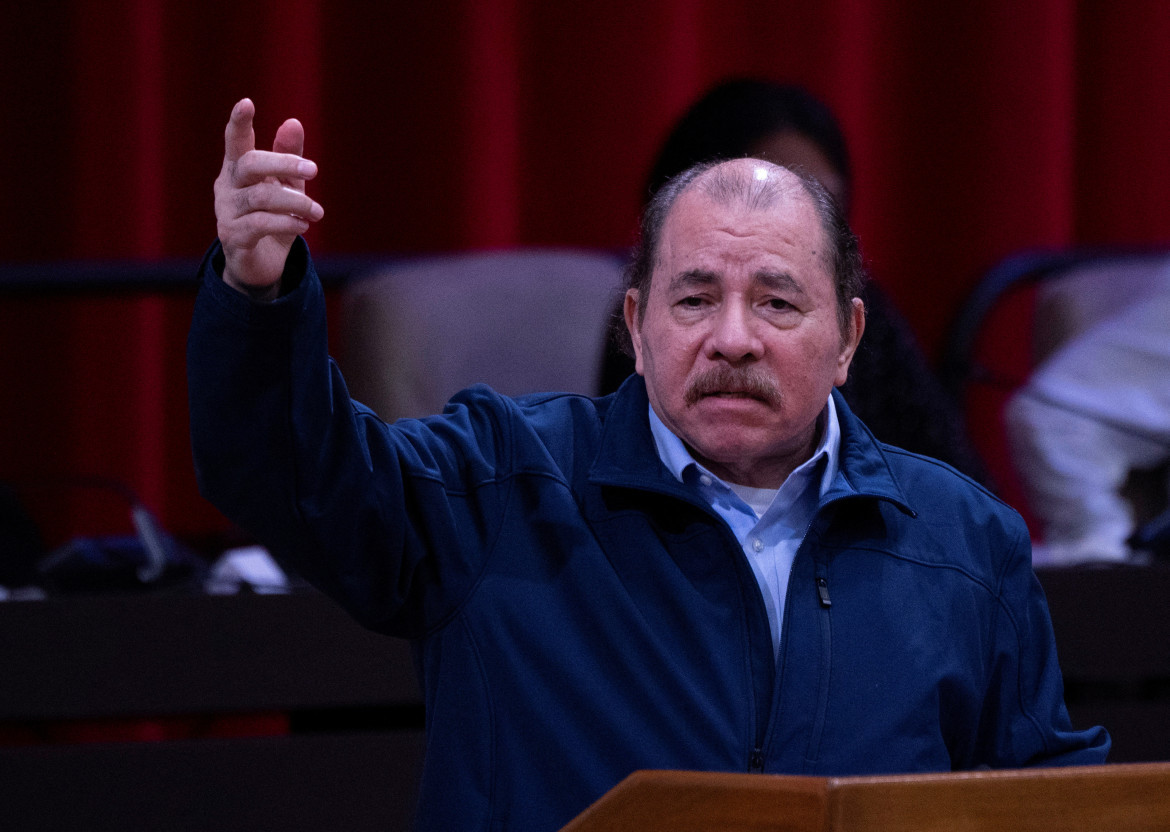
(731, 394)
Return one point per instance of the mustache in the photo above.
(749, 382)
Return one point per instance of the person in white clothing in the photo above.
(1094, 411)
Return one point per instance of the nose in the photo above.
(734, 337)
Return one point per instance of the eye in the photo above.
(779, 304)
(692, 302)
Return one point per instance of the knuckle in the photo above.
(243, 169)
(252, 226)
(246, 201)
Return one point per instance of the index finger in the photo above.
(239, 137)
(264, 164)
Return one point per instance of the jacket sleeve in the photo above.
(392, 521)
(1025, 721)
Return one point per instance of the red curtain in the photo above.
(977, 130)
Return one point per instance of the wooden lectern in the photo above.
(1110, 798)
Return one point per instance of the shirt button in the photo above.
(705, 480)
(757, 544)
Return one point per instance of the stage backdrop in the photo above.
(977, 130)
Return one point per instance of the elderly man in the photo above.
(715, 568)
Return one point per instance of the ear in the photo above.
(849, 344)
(630, 309)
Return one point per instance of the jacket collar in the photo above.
(628, 457)
(864, 469)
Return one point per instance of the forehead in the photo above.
(784, 232)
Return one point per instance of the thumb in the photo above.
(239, 137)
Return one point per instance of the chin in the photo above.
(731, 452)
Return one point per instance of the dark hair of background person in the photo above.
(891, 386)
(735, 117)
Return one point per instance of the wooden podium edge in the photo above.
(689, 801)
(1131, 797)
(1126, 797)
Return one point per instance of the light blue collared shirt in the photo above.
(769, 539)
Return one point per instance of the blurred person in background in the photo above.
(1095, 413)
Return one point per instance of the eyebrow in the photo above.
(779, 281)
(694, 278)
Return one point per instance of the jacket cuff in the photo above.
(299, 284)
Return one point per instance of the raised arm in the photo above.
(260, 202)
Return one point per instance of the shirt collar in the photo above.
(675, 456)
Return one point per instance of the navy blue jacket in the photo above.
(579, 614)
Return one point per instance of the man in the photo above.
(715, 568)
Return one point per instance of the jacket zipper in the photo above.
(823, 592)
(826, 623)
(756, 759)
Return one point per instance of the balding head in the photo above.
(754, 184)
